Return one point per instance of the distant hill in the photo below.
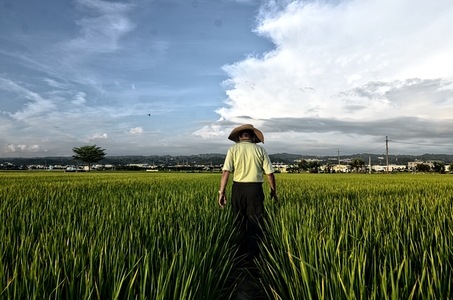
(217, 159)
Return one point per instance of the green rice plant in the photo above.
(114, 236)
(162, 236)
(359, 237)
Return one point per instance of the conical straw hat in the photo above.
(234, 135)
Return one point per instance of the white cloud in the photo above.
(101, 31)
(79, 98)
(96, 137)
(331, 50)
(55, 84)
(136, 130)
(21, 148)
(209, 131)
(345, 73)
(35, 106)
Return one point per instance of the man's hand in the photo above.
(222, 200)
(274, 196)
(271, 179)
(223, 184)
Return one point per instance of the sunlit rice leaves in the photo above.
(114, 236)
(360, 237)
(162, 236)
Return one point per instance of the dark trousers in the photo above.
(248, 208)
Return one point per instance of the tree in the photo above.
(89, 154)
(439, 167)
(302, 165)
(313, 166)
(328, 168)
(423, 167)
(357, 163)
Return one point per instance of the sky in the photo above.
(157, 77)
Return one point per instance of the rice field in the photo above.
(162, 236)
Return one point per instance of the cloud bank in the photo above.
(362, 70)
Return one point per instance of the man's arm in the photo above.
(271, 180)
(223, 184)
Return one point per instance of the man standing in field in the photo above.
(248, 162)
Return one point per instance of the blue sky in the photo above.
(175, 77)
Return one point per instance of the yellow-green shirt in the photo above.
(247, 161)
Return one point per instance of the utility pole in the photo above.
(338, 156)
(369, 163)
(387, 153)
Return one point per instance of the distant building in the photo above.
(144, 166)
(280, 167)
(340, 168)
(380, 168)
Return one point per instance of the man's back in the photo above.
(248, 161)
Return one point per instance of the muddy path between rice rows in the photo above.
(248, 288)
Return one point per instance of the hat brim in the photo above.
(234, 135)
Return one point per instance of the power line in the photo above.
(394, 141)
(373, 149)
(387, 153)
(420, 144)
